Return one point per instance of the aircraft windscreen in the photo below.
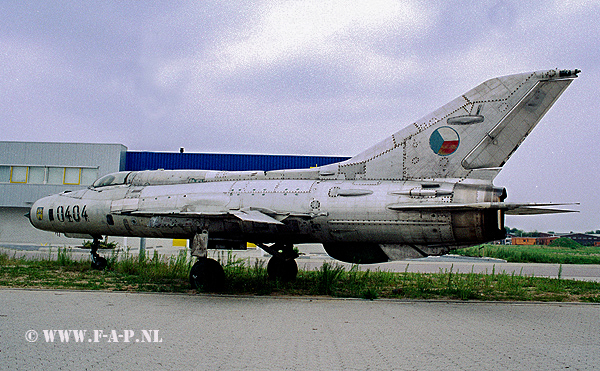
(111, 179)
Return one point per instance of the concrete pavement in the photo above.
(266, 333)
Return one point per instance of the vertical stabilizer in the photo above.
(470, 137)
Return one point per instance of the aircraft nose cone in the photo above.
(28, 215)
(40, 213)
(36, 212)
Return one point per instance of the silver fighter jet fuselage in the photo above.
(422, 191)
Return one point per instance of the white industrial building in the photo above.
(29, 171)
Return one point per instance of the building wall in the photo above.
(31, 170)
(524, 240)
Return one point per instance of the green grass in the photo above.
(127, 272)
(157, 273)
(536, 254)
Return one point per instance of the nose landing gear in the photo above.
(98, 262)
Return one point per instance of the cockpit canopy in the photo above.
(111, 179)
(152, 177)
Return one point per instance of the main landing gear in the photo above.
(98, 262)
(208, 275)
(282, 265)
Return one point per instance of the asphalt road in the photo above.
(265, 333)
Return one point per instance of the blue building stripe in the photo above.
(136, 161)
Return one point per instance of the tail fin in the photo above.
(470, 137)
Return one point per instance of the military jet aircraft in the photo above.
(422, 191)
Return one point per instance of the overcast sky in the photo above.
(301, 77)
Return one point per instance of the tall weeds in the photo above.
(154, 272)
(328, 277)
(153, 267)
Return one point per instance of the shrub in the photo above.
(565, 242)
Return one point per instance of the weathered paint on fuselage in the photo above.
(310, 210)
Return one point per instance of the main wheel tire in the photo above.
(99, 263)
(207, 275)
(281, 269)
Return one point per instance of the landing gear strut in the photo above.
(98, 262)
(282, 265)
(206, 274)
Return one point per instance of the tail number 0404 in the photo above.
(70, 213)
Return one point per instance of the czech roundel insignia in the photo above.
(444, 141)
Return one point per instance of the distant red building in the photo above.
(546, 240)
